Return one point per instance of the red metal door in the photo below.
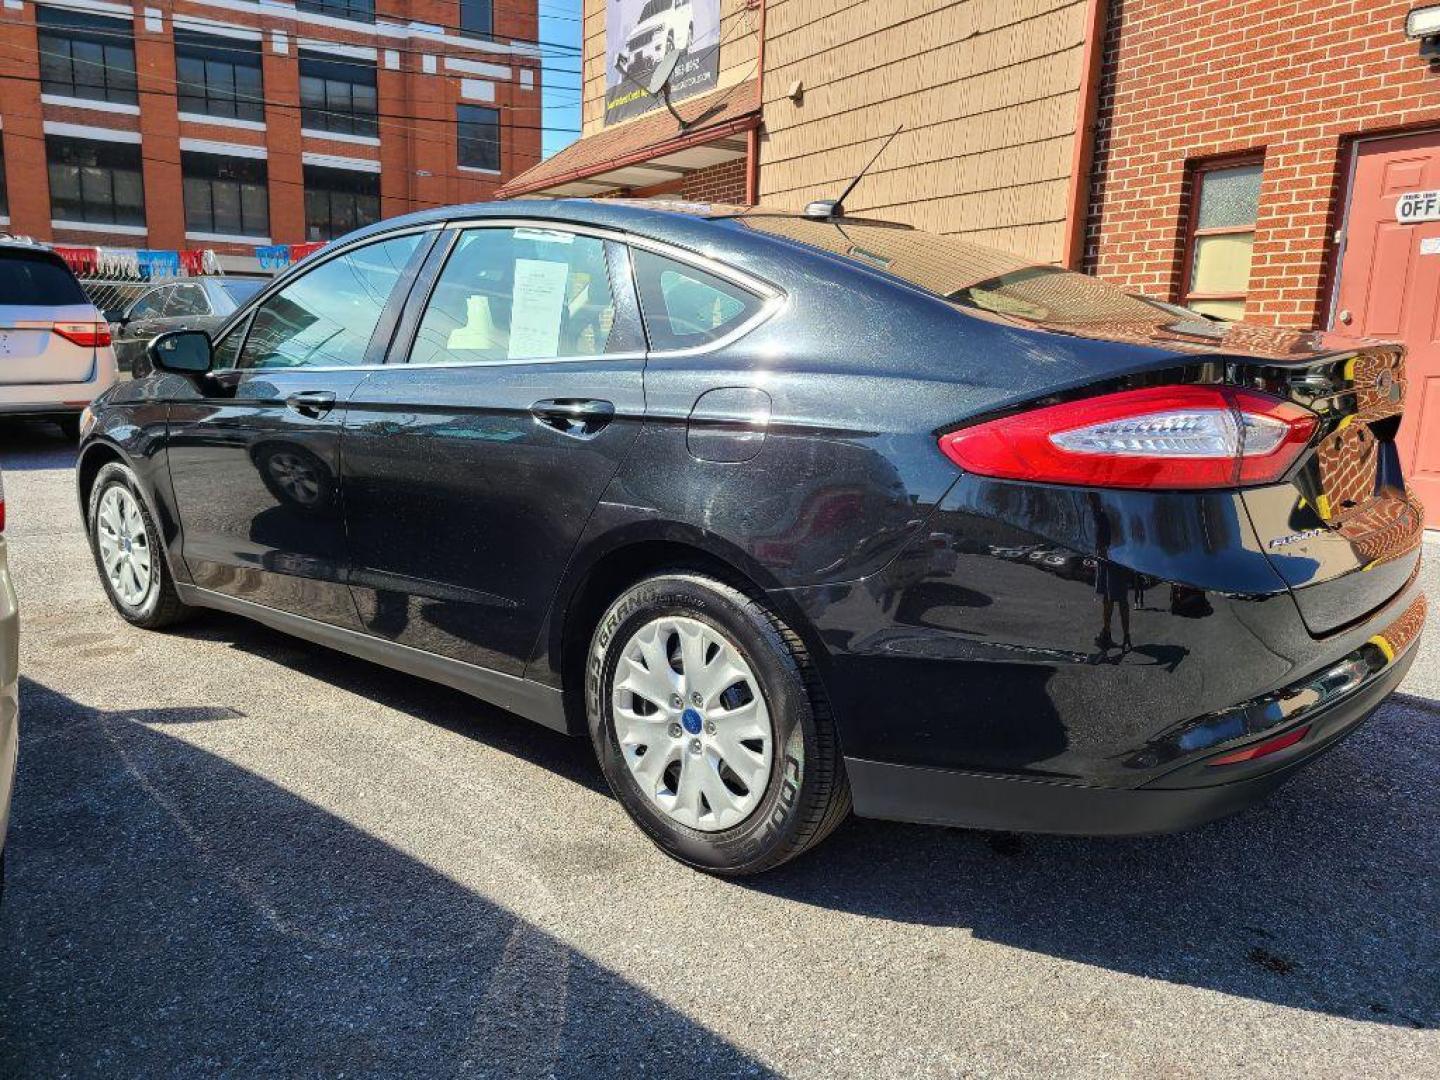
(1390, 289)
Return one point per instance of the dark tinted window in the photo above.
(339, 200)
(226, 195)
(339, 96)
(477, 17)
(96, 181)
(86, 56)
(969, 274)
(478, 137)
(33, 278)
(327, 316)
(150, 305)
(240, 290)
(361, 10)
(518, 294)
(219, 76)
(186, 300)
(685, 307)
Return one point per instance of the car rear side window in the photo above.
(326, 317)
(37, 279)
(519, 294)
(685, 307)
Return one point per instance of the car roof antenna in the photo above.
(828, 209)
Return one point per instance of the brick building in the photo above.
(232, 125)
(1243, 157)
(1251, 158)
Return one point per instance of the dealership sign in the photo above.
(640, 33)
(1417, 206)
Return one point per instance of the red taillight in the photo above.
(1165, 437)
(1259, 750)
(89, 335)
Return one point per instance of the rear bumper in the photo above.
(1017, 804)
(58, 399)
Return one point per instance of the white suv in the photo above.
(55, 354)
(663, 25)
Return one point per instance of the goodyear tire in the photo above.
(735, 769)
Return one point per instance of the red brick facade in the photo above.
(724, 183)
(1188, 82)
(420, 80)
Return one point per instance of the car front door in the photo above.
(140, 324)
(474, 459)
(254, 453)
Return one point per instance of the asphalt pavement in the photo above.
(236, 854)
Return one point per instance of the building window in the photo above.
(225, 195)
(338, 200)
(479, 137)
(338, 96)
(95, 181)
(360, 10)
(1225, 204)
(477, 17)
(219, 76)
(86, 56)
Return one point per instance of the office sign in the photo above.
(1417, 206)
(639, 33)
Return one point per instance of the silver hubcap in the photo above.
(692, 723)
(124, 548)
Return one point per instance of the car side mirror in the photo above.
(182, 352)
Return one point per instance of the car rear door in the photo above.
(254, 450)
(47, 325)
(472, 462)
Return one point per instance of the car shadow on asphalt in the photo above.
(27, 445)
(1323, 898)
(168, 912)
(450, 709)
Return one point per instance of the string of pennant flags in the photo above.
(149, 264)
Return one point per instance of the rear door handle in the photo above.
(580, 417)
(311, 403)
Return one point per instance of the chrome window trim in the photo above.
(772, 298)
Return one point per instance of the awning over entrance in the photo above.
(651, 151)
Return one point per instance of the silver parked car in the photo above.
(191, 304)
(55, 354)
(9, 686)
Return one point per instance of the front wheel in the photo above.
(711, 726)
(129, 551)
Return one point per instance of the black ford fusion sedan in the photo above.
(789, 513)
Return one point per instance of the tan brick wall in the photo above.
(1186, 83)
(988, 92)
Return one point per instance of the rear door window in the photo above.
(186, 300)
(686, 307)
(519, 294)
(150, 305)
(35, 279)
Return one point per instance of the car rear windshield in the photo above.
(241, 289)
(967, 273)
(37, 278)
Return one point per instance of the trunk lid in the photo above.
(1342, 532)
(31, 351)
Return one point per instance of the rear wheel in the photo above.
(129, 552)
(711, 726)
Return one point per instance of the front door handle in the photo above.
(311, 403)
(580, 417)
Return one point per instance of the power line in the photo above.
(127, 36)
